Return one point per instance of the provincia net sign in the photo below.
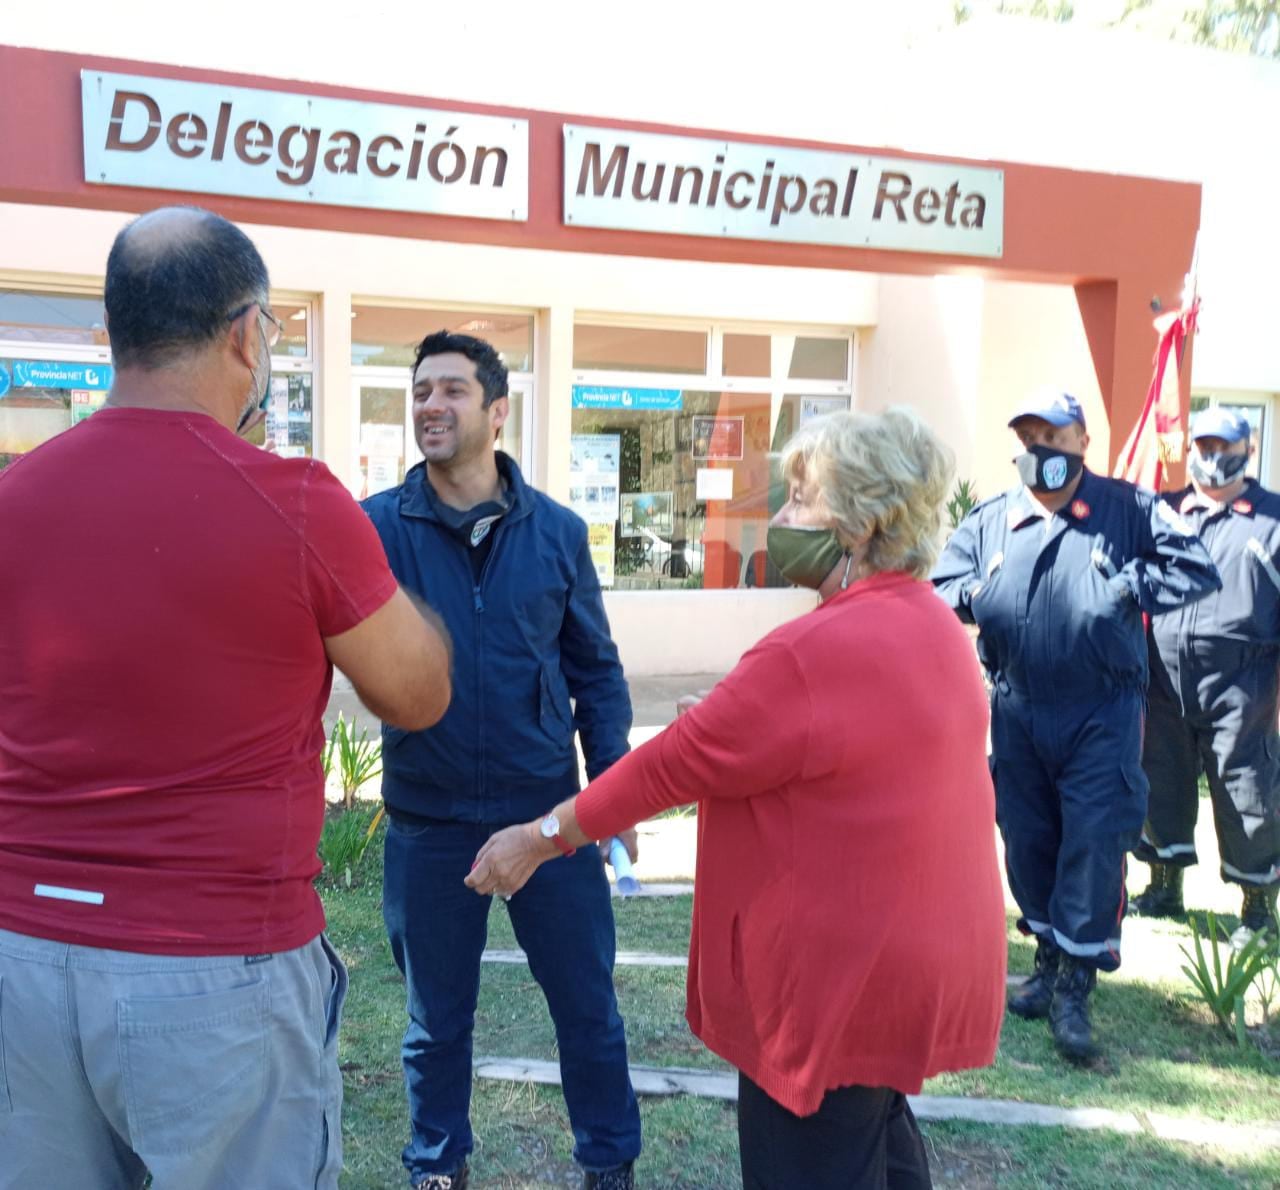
(211, 139)
(635, 181)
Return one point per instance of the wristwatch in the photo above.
(549, 828)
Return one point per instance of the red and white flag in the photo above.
(1159, 435)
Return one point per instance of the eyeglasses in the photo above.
(274, 329)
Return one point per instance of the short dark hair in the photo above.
(490, 370)
(170, 287)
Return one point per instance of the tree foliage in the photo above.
(1240, 26)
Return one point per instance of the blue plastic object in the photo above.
(628, 885)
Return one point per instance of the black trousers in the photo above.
(861, 1138)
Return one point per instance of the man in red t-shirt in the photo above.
(173, 602)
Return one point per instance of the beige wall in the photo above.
(962, 352)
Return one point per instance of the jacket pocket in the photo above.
(195, 1067)
(555, 716)
(6, 1104)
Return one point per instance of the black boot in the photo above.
(1257, 913)
(620, 1177)
(1163, 896)
(1069, 1012)
(1031, 1001)
(445, 1181)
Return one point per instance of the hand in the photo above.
(689, 701)
(630, 840)
(507, 860)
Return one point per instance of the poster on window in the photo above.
(717, 438)
(383, 473)
(600, 542)
(593, 477)
(811, 407)
(645, 513)
(85, 403)
(299, 436)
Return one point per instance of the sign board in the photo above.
(34, 373)
(209, 138)
(641, 181)
(595, 396)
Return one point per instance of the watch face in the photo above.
(550, 826)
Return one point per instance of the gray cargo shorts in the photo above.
(217, 1073)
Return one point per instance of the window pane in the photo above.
(746, 355)
(387, 336)
(639, 349)
(511, 436)
(40, 398)
(296, 319)
(382, 437)
(30, 417)
(27, 316)
(820, 359)
(675, 496)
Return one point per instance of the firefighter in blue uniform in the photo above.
(1215, 689)
(1056, 573)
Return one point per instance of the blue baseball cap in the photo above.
(1217, 422)
(1051, 405)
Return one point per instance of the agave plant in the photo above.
(357, 757)
(1223, 988)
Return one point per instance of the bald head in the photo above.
(174, 277)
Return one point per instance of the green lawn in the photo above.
(1162, 1055)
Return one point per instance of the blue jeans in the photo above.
(564, 922)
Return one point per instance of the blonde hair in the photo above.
(884, 477)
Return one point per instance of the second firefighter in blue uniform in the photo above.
(1215, 689)
(1057, 573)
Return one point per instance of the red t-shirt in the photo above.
(164, 591)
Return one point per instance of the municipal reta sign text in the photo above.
(636, 181)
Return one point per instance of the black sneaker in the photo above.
(1257, 914)
(1163, 896)
(620, 1177)
(1069, 1012)
(444, 1181)
(1031, 1001)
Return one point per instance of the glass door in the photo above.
(384, 431)
(517, 433)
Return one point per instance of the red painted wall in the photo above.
(1120, 240)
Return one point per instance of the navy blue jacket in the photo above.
(1059, 602)
(532, 659)
(1243, 539)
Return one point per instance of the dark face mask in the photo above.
(263, 390)
(1216, 471)
(804, 556)
(1044, 469)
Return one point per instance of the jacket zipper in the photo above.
(477, 594)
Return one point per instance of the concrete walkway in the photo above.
(714, 1084)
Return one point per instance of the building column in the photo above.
(553, 388)
(333, 365)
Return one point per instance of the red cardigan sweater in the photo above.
(848, 918)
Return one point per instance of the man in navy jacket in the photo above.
(1057, 574)
(510, 572)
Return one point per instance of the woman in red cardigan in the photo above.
(848, 919)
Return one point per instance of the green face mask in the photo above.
(804, 556)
